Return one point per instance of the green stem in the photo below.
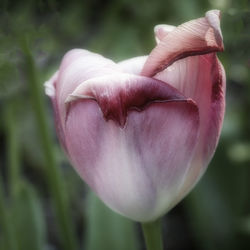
(153, 235)
(5, 222)
(12, 148)
(54, 176)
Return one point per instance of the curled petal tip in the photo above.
(213, 18)
(70, 98)
(161, 30)
(50, 86)
(213, 12)
(74, 97)
(49, 89)
(191, 101)
(195, 37)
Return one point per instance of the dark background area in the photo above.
(43, 203)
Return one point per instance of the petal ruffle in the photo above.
(116, 94)
(196, 37)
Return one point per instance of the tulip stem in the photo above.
(12, 148)
(54, 176)
(7, 230)
(153, 235)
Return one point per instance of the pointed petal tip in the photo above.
(213, 18)
(191, 101)
(214, 12)
(161, 30)
(70, 98)
(74, 97)
(50, 86)
(49, 89)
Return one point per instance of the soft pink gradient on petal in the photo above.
(136, 170)
(210, 132)
(133, 65)
(196, 37)
(202, 79)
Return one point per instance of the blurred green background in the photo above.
(43, 203)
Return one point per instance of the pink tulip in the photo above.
(142, 132)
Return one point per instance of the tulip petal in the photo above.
(211, 122)
(196, 37)
(133, 65)
(198, 77)
(116, 94)
(202, 79)
(136, 169)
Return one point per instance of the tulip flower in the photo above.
(141, 132)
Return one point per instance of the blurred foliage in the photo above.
(216, 215)
(106, 230)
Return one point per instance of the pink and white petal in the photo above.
(196, 37)
(201, 78)
(133, 65)
(161, 30)
(210, 128)
(137, 169)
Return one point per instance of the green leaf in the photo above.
(7, 236)
(211, 218)
(28, 219)
(107, 230)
